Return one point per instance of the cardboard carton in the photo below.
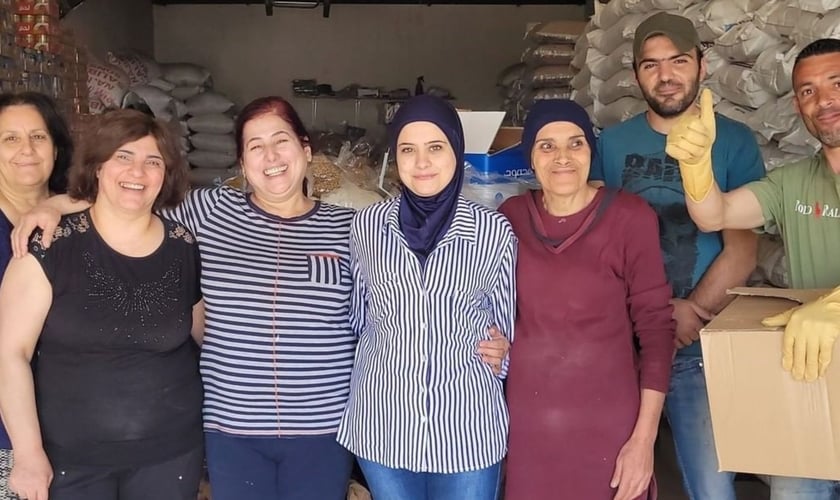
(764, 421)
(492, 149)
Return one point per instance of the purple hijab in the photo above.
(425, 219)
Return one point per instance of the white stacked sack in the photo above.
(545, 70)
(750, 48)
(212, 131)
(548, 59)
(206, 121)
(181, 94)
(509, 83)
(107, 86)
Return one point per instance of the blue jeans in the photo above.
(271, 468)
(791, 488)
(386, 483)
(687, 411)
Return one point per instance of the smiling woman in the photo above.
(433, 276)
(274, 162)
(584, 404)
(278, 347)
(35, 151)
(425, 160)
(124, 145)
(111, 306)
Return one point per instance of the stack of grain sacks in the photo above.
(545, 70)
(180, 94)
(749, 48)
(606, 84)
(509, 83)
(790, 25)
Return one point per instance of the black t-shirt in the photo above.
(116, 372)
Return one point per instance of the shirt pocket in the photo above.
(324, 268)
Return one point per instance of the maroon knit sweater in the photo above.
(593, 328)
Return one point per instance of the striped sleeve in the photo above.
(197, 205)
(357, 297)
(421, 397)
(504, 296)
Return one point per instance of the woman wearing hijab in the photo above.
(431, 273)
(278, 349)
(584, 400)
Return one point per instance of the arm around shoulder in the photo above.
(45, 216)
(197, 330)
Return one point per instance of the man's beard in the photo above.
(676, 108)
(828, 138)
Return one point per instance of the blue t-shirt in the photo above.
(631, 155)
(5, 257)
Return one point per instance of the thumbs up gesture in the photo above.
(690, 143)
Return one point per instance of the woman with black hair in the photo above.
(35, 152)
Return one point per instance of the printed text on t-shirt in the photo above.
(817, 209)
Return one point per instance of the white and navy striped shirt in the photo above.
(278, 347)
(421, 399)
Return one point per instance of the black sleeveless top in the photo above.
(116, 371)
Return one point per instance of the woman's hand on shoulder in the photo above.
(43, 217)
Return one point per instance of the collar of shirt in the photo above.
(463, 224)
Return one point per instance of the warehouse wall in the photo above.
(105, 25)
(250, 54)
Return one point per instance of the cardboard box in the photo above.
(764, 421)
(491, 149)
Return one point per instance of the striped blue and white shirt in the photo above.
(421, 399)
(278, 347)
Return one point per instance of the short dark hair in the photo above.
(269, 105)
(56, 127)
(817, 48)
(107, 133)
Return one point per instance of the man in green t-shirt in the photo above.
(800, 201)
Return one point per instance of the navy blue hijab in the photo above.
(547, 111)
(425, 219)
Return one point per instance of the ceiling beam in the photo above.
(383, 2)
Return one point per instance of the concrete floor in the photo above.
(670, 483)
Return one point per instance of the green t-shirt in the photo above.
(801, 201)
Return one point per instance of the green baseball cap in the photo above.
(678, 29)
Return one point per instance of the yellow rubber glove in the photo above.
(810, 332)
(690, 143)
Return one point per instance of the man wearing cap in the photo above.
(700, 266)
(799, 201)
